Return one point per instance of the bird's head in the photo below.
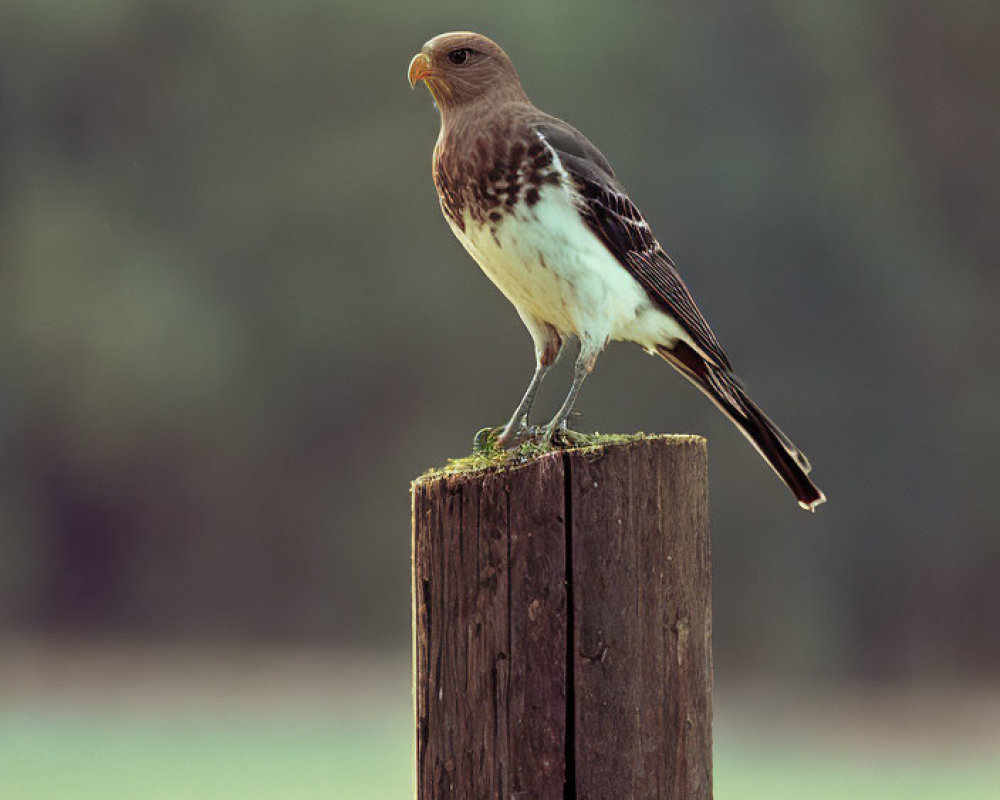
(460, 68)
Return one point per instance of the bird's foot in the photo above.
(485, 440)
(561, 436)
(499, 438)
(490, 440)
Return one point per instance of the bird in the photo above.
(540, 209)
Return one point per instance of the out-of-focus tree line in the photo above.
(233, 325)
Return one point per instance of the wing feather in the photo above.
(614, 218)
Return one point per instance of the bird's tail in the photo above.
(722, 388)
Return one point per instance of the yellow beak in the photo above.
(420, 68)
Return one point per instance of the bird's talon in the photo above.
(564, 437)
(513, 440)
(486, 439)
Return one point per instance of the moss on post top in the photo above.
(490, 457)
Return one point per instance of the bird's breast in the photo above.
(485, 177)
(548, 263)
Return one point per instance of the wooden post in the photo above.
(562, 627)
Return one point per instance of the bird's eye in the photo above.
(459, 56)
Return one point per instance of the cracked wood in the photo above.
(562, 627)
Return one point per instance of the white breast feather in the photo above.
(552, 267)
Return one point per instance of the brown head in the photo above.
(462, 68)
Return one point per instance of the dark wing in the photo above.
(618, 223)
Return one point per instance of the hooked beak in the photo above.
(420, 68)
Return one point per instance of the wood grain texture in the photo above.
(642, 635)
(562, 627)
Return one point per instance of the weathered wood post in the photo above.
(562, 627)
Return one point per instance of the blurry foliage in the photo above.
(234, 326)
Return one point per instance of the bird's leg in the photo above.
(519, 421)
(585, 361)
(548, 344)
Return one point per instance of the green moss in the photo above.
(488, 455)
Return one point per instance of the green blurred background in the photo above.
(233, 325)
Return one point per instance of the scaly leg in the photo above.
(548, 344)
(585, 360)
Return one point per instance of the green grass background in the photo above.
(94, 755)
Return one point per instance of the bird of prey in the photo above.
(539, 208)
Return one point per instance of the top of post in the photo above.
(492, 458)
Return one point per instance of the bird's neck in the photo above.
(470, 130)
(507, 102)
(478, 147)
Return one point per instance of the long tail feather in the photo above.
(724, 390)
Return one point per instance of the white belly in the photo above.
(550, 265)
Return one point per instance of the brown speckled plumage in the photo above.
(506, 164)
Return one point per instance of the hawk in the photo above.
(540, 209)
